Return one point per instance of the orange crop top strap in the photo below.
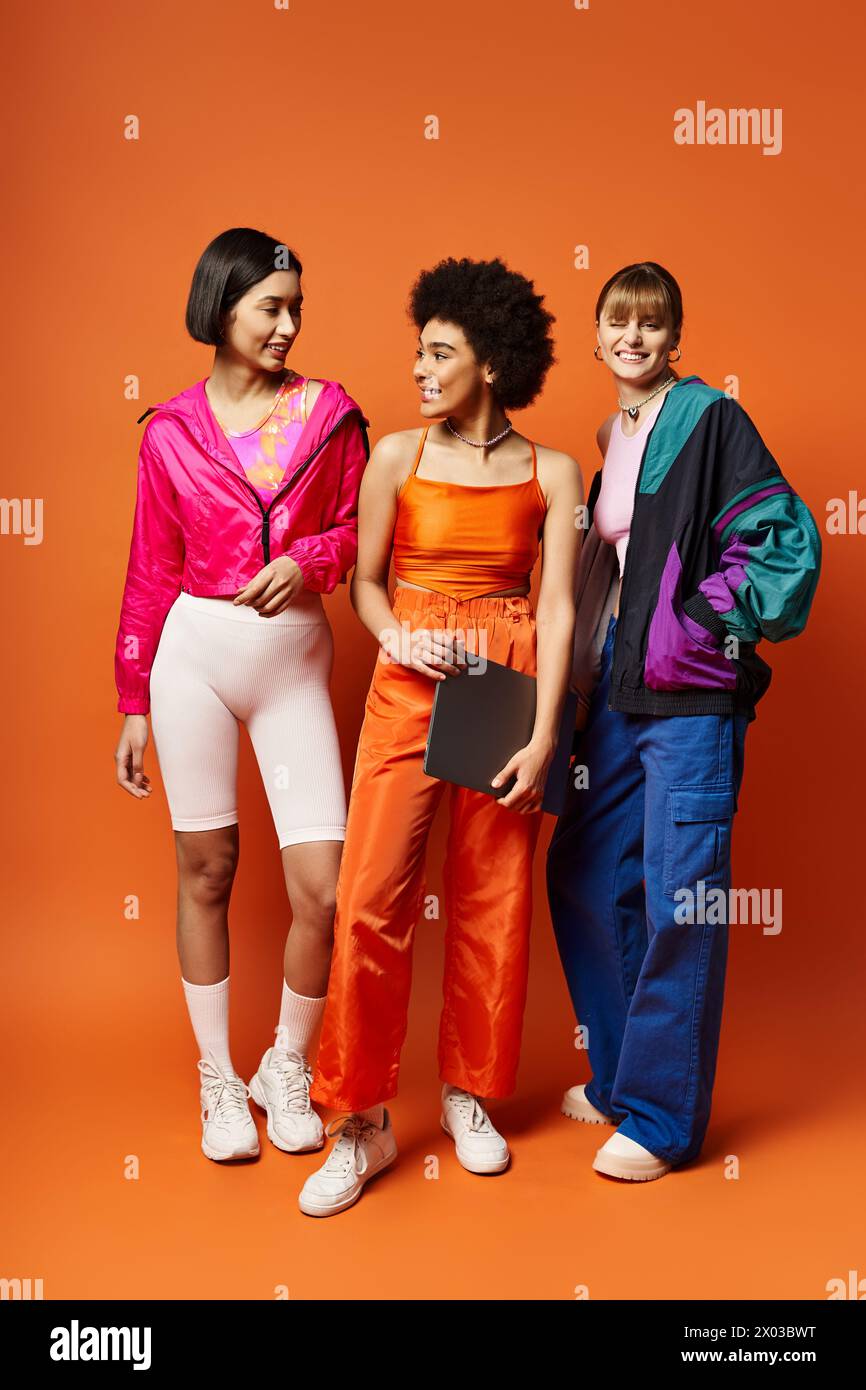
(421, 443)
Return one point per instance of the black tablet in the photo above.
(479, 720)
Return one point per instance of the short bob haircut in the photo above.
(647, 288)
(501, 317)
(228, 267)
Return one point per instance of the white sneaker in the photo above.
(281, 1086)
(576, 1106)
(228, 1130)
(361, 1151)
(480, 1147)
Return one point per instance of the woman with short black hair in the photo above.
(246, 513)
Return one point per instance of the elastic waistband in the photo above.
(444, 604)
(306, 608)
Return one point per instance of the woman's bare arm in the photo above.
(555, 611)
(555, 617)
(602, 437)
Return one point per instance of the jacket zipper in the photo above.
(265, 511)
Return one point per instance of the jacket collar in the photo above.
(193, 409)
(596, 477)
(684, 381)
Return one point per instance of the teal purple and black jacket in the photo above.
(720, 547)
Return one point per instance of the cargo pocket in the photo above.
(697, 835)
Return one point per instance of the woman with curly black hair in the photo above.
(460, 504)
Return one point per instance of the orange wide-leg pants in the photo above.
(381, 888)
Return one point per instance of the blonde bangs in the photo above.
(646, 295)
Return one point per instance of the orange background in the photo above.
(556, 130)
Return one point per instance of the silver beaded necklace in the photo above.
(633, 409)
(480, 443)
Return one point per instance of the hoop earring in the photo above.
(678, 356)
(595, 352)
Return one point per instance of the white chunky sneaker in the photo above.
(480, 1147)
(228, 1130)
(621, 1157)
(281, 1086)
(576, 1106)
(361, 1151)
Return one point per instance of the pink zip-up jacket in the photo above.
(201, 526)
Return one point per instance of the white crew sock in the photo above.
(299, 1017)
(209, 1014)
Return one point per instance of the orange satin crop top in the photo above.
(467, 541)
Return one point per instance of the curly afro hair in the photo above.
(501, 317)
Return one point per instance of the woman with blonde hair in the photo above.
(698, 548)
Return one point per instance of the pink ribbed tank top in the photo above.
(615, 502)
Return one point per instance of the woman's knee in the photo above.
(315, 905)
(311, 873)
(207, 863)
